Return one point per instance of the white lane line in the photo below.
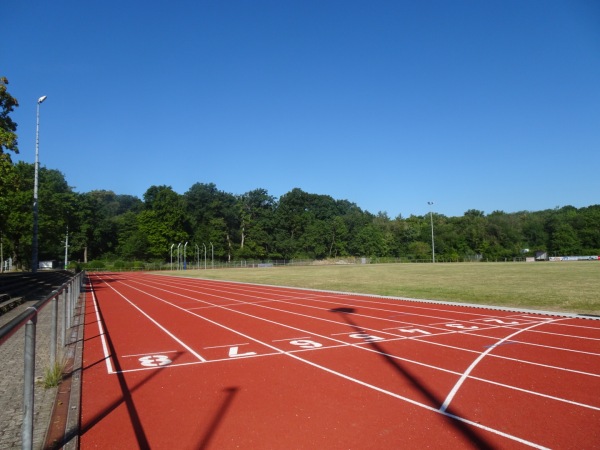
(361, 346)
(291, 339)
(467, 372)
(175, 338)
(228, 345)
(149, 353)
(344, 376)
(148, 282)
(403, 326)
(109, 367)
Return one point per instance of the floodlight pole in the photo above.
(212, 256)
(184, 256)
(35, 258)
(67, 249)
(178, 257)
(432, 239)
(204, 245)
(172, 245)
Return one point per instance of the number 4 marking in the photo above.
(500, 321)
(233, 353)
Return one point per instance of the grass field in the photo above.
(560, 286)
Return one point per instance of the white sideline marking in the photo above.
(109, 367)
(150, 353)
(175, 338)
(341, 375)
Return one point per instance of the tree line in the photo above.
(255, 225)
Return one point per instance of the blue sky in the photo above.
(475, 104)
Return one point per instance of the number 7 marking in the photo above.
(233, 353)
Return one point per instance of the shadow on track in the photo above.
(211, 429)
(126, 396)
(471, 434)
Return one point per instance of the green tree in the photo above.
(8, 128)
(163, 221)
(213, 218)
(256, 209)
(8, 141)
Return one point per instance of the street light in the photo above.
(34, 258)
(432, 240)
(172, 245)
(212, 256)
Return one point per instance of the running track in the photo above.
(194, 364)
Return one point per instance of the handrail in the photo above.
(70, 291)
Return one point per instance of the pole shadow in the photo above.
(471, 434)
(211, 429)
(126, 397)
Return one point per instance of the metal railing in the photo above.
(68, 295)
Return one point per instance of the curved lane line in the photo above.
(467, 372)
(342, 375)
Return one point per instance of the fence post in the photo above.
(68, 304)
(64, 317)
(53, 331)
(28, 385)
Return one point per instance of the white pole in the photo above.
(35, 259)
(185, 256)
(432, 239)
(67, 249)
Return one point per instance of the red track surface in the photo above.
(188, 364)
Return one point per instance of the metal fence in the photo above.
(31, 345)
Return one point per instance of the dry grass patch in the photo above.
(560, 286)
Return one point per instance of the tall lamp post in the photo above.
(432, 239)
(34, 258)
(184, 256)
(178, 256)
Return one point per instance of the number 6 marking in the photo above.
(306, 344)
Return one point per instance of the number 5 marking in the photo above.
(366, 337)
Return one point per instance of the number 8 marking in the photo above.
(155, 361)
